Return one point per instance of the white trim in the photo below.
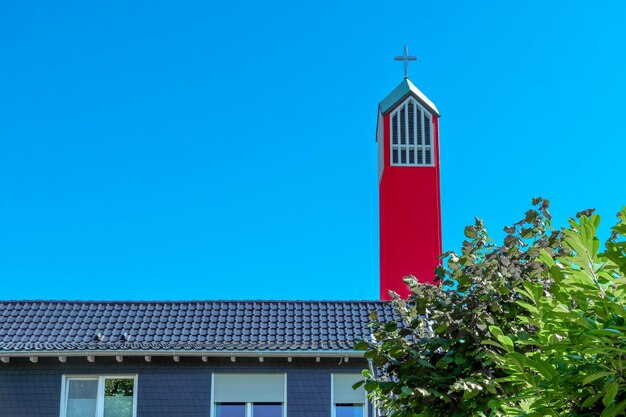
(101, 378)
(62, 406)
(375, 409)
(100, 397)
(285, 400)
(332, 395)
(212, 409)
(135, 393)
(380, 139)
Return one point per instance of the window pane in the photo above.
(420, 160)
(394, 156)
(349, 410)
(411, 124)
(411, 156)
(403, 156)
(267, 410)
(118, 397)
(427, 153)
(81, 398)
(419, 127)
(403, 126)
(426, 130)
(394, 129)
(230, 410)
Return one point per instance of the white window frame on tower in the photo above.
(422, 130)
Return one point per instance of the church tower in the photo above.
(408, 177)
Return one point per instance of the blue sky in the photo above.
(196, 150)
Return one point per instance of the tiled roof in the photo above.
(39, 326)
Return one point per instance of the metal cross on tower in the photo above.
(406, 58)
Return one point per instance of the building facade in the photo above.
(302, 387)
(204, 358)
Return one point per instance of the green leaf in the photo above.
(470, 232)
(517, 359)
(506, 342)
(590, 378)
(492, 343)
(496, 331)
(425, 364)
(560, 308)
(611, 391)
(528, 307)
(391, 326)
(358, 384)
(545, 257)
(361, 345)
(591, 400)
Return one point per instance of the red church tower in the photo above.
(408, 174)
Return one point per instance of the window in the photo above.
(249, 395)
(411, 135)
(99, 396)
(348, 410)
(230, 409)
(248, 409)
(348, 402)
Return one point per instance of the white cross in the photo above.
(406, 58)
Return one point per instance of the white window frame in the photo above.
(423, 147)
(65, 380)
(248, 404)
(333, 411)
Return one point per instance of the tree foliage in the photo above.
(572, 361)
(483, 343)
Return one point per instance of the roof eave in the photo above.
(188, 352)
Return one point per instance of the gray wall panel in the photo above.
(165, 388)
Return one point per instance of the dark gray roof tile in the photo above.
(201, 325)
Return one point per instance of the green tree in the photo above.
(450, 351)
(572, 360)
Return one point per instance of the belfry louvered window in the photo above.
(411, 135)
